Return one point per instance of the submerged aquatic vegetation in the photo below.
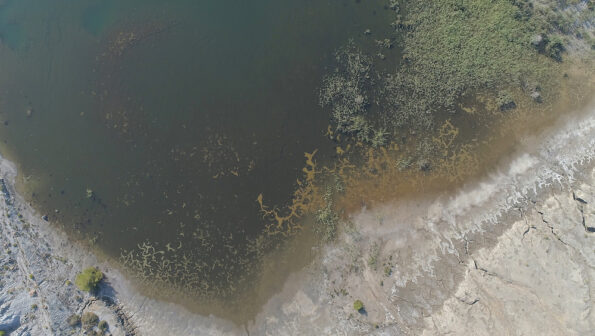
(346, 91)
(358, 305)
(327, 219)
(450, 48)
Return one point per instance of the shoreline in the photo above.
(407, 262)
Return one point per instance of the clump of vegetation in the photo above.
(88, 279)
(373, 256)
(102, 325)
(450, 48)
(74, 320)
(554, 48)
(327, 220)
(89, 320)
(388, 270)
(358, 305)
(505, 101)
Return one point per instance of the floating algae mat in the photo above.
(205, 146)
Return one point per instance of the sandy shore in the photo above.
(511, 253)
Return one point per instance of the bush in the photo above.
(89, 320)
(88, 279)
(102, 325)
(555, 48)
(74, 320)
(358, 305)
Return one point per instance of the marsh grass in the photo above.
(450, 48)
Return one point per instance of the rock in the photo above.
(29, 112)
(33, 293)
(45, 218)
(367, 32)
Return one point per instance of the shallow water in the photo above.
(149, 129)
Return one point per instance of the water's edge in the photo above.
(422, 248)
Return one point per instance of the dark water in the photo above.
(149, 128)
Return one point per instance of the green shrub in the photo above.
(74, 320)
(89, 320)
(2, 333)
(358, 305)
(88, 279)
(102, 325)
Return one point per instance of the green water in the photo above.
(155, 125)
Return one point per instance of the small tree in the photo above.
(88, 279)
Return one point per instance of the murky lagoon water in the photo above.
(149, 128)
